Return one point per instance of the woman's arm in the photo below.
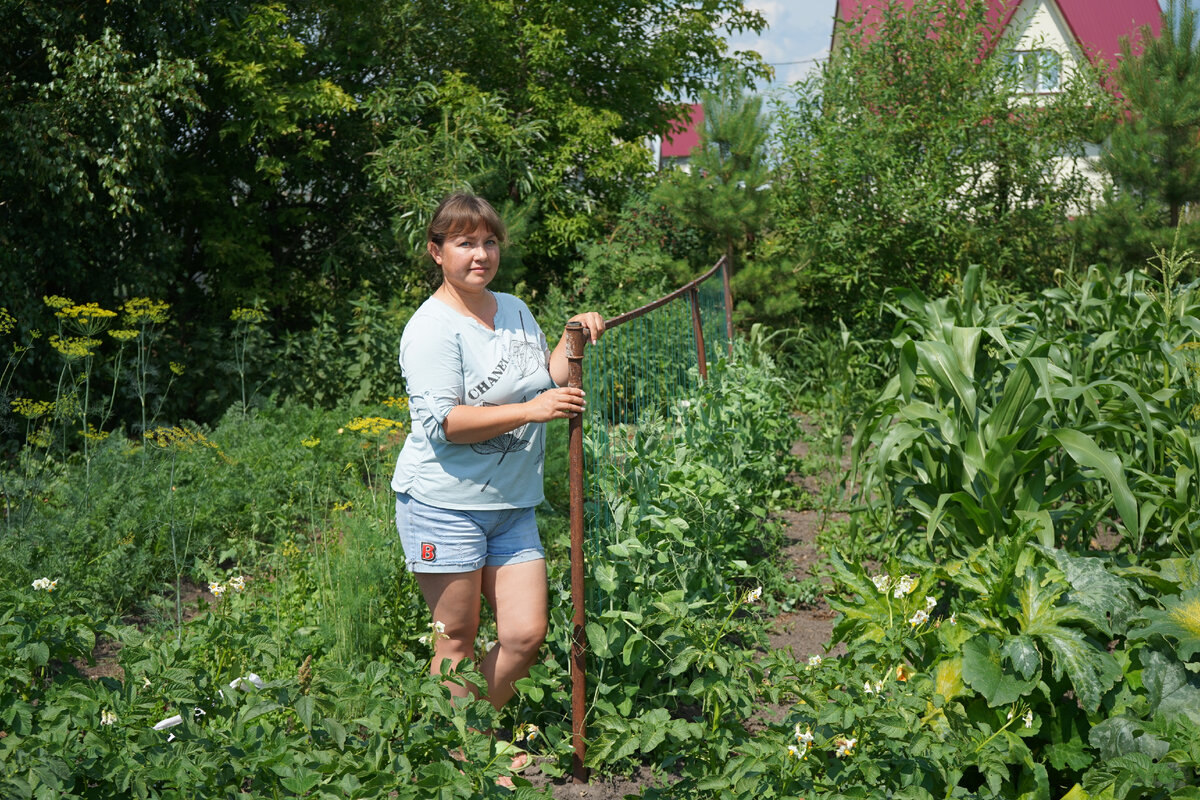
(470, 424)
(558, 359)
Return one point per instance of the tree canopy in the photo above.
(916, 152)
(222, 151)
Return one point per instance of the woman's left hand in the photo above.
(593, 321)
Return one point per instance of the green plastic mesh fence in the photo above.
(641, 370)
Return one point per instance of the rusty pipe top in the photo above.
(575, 340)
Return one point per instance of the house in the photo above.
(1046, 39)
(674, 149)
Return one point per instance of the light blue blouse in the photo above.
(449, 359)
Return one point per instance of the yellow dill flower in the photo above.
(31, 409)
(181, 438)
(94, 435)
(398, 403)
(176, 367)
(85, 314)
(73, 347)
(123, 334)
(54, 301)
(41, 437)
(250, 315)
(373, 426)
(310, 442)
(67, 406)
(346, 506)
(141, 310)
(7, 321)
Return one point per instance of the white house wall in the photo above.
(1040, 25)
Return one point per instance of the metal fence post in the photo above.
(728, 305)
(698, 329)
(576, 337)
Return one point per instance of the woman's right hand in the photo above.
(561, 403)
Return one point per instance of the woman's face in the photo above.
(468, 259)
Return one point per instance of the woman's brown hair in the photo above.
(460, 213)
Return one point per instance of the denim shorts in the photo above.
(453, 540)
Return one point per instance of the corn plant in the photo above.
(1001, 413)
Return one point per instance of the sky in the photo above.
(796, 39)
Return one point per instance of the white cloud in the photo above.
(797, 36)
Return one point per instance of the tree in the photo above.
(1153, 157)
(548, 112)
(726, 190)
(915, 152)
(287, 153)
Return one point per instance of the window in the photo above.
(1036, 71)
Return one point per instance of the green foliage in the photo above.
(150, 512)
(911, 156)
(1152, 161)
(193, 717)
(645, 253)
(1060, 412)
(286, 155)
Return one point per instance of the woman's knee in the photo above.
(525, 637)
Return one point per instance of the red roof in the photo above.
(1098, 25)
(681, 143)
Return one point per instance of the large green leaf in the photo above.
(1171, 690)
(1084, 450)
(1120, 735)
(1091, 670)
(983, 669)
(1110, 600)
(1179, 620)
(941, 363)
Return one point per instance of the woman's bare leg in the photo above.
(517, 594)
(453, 598)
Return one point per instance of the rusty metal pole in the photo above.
(728, 307)
(576, 337)
(698, 329)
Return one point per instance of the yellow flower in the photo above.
(74, 347)
(7, 321)
(373, 426)
(85, 314)
(310, 442)
(176, 367)
(31, 409)
(93, 434)
(398, 403)
(181, 438)
(123, 334)
(54, 301)
(250, 315)
(141, 310)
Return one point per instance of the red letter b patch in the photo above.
(428, 551)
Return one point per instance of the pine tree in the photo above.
(725, 191)
(1154, 156)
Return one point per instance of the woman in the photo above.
(481, 382)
